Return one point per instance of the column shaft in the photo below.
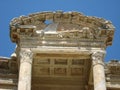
(25, 70)
(98, 71)
(99, 77)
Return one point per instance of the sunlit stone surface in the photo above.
(59, 51)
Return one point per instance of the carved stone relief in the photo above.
(26, 55)
(98, 57)
(87, 27)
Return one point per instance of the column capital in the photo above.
(26, 54)
(98, 57)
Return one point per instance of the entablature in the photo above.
(26, 41)
(64, 26)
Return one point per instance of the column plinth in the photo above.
(98, 71)
(25, 69)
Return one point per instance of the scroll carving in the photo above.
(97, 58)
(26, 55)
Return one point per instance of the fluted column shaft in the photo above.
(98, 70)
(25, 69)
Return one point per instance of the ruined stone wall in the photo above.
(8, 74)
(113, 75)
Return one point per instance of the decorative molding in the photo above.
(98, 57)
(69, 25)
(26, 55)
(64, 17)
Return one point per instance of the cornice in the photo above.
(75, 25)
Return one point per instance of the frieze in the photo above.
(61, 43)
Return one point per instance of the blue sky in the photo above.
(108, 9)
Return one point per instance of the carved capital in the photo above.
(26, 55)
(97, 57)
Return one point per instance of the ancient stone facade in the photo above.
(60, 51)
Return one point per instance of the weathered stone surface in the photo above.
(98, 27)
(26, 57)
(8, 74)
(98, 70)
(60, 51)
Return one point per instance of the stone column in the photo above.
(98, 70)
(25, 70)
